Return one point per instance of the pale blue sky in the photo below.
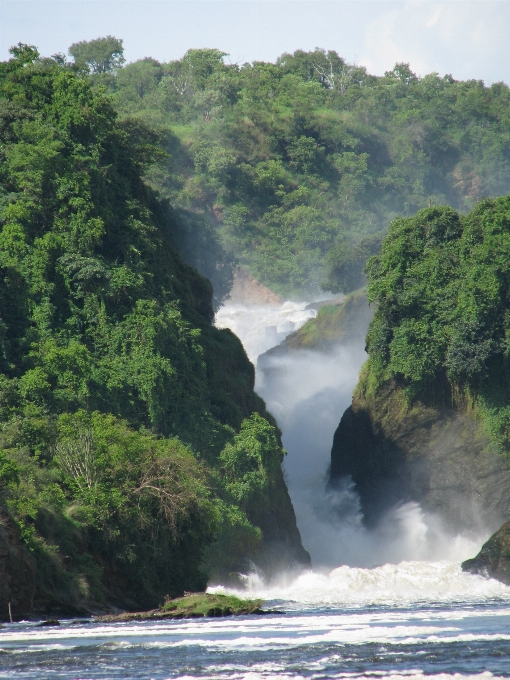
(467, 38)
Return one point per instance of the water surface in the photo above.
(395, 621)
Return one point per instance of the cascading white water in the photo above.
(390, 584)
(307, 392)
(261, 327)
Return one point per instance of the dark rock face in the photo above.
(17, 572)
(282, 550)
(434, 456)
(494, 558)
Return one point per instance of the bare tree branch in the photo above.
(77, 459)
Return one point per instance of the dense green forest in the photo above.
(134, 454)
(294, 169)
(135, 457)
(441, 329)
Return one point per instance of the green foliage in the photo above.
(237, 540)
(295, 166)
(98, 56)
(250, 461)
(440, 288)
(117, 396)
(9, 473)
(345, 263)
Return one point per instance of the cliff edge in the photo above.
(436, 456)
(430, 417)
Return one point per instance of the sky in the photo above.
(464, 38)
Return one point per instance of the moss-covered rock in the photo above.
(494, 558)
(432, 454)
(343, 322)
(192, 606)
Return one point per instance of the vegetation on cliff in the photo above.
(440, 289)
(130, 436)
(296, 167)
(336, 322)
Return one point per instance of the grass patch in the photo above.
(191, 606)
(208, 604)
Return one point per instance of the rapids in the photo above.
(406, 621)
(406, 584)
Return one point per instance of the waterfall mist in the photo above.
(307, 392)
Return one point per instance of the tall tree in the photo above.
(100, 55)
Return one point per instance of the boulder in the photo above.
(494, 558)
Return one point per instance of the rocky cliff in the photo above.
(438, 456)
(494, 558)
(430, 417)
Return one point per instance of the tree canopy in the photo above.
(440, 288)
(294, 166)
(117, 395)
(101, 55)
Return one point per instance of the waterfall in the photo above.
(307, 392)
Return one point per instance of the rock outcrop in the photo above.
(494, 558)
(282, 550)
(17, 572)
(436, 456)
(247, 290)
(339, 322)
(430, 417)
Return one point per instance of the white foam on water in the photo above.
(286, 640)
(393, 675)
(38, 648)
(390, 584)
(330, 630)
(261, 327)
(418, 675)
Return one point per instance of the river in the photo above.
(386, 603)
(406, 621)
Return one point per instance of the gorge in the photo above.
(143, 412)
(418, 464)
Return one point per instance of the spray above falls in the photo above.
(262, 326)
(308, 390)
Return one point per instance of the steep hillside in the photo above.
(429, 418)
(134, 454)
(298, 166)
